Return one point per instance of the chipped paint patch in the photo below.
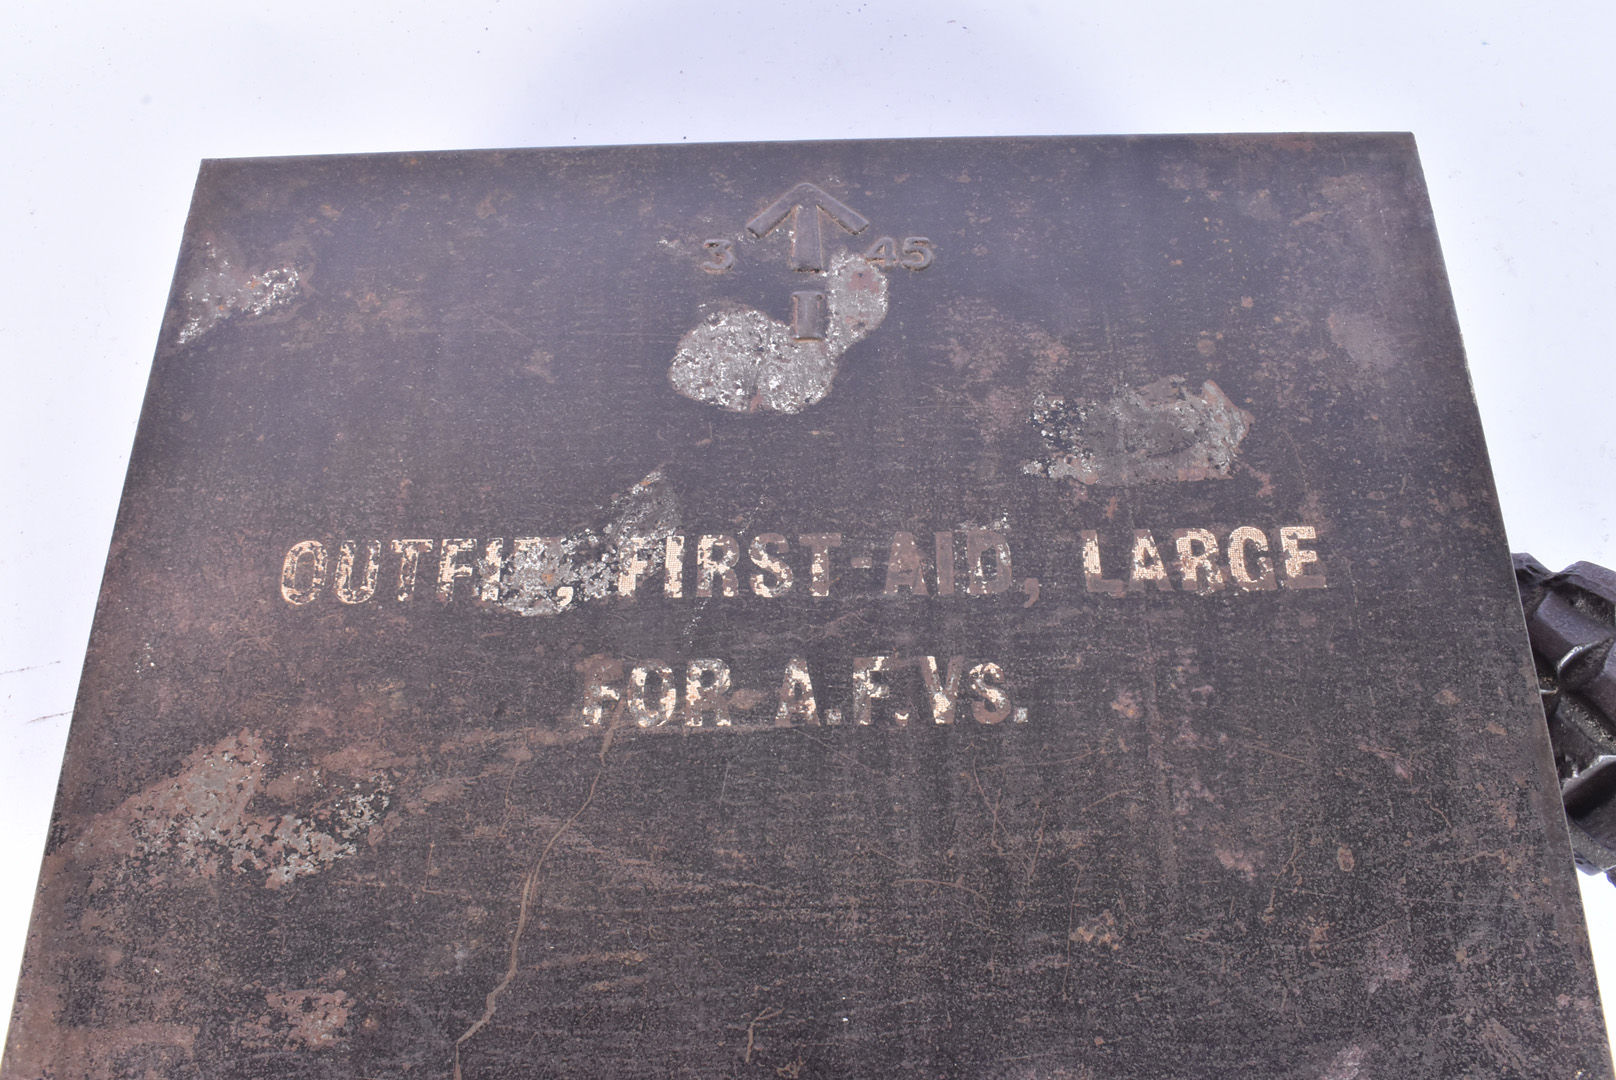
(745, 361)
(1159, 432)
(1346, 1065)
(202, 822)
(220, 288)
(548, 575)
(1001, 364)
(1236, 860)
(1100, 931)
(1365, 339)
(1388, 961)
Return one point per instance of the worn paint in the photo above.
(1248, 570)
(206, 821)
(546, 576)
(743, 360)
(1160, 432)
(797, 700)
(220, 287)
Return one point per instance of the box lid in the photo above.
(991, 608)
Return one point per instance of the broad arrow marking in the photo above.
(802, 205)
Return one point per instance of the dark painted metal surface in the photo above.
(1090, 648)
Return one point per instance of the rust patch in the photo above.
(1159, 432)
(297, 1020)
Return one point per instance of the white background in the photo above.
(105, 110)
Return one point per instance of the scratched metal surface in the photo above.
(1275, 803)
